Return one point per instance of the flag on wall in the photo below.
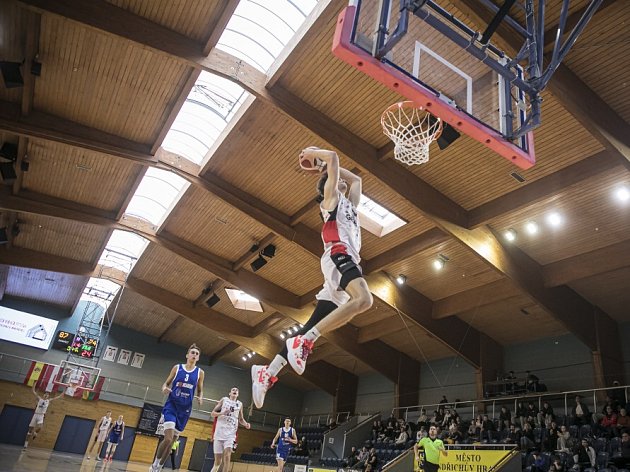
(33, 373)
(46, 381)
(94, 394)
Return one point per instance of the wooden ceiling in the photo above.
(114, 76)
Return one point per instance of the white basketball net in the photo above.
(412, 129)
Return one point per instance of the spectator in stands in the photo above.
(584, 455)
(581, 413)
(557, 466)
(539, 463)
(521, 414)
(372, 461)
(455, 436)
(532, 414)
(607, 426)
(439, 416)
(622, 460)
(564, 439)
(550, 441)
(353, 458)
(527, 438)
(510, 386)
(377, 429)
(444, 401)
(487, 429)
(546, 414)
(422, 433)
(610, 402)
(505, 418)
(402, 437)
(623, 421)
(513, 436)
(532, 383)
(619, 393)
(362, 458)
(473, 432)
(423, 419)
(301, 449)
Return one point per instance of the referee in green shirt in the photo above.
(432, 447)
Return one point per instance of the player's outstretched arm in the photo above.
(216, 412)
(200, 387)
(276, 437)
(355, 185)
(169, 380)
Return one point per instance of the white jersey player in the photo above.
(227, 414)
(102, 428)
(37, 422)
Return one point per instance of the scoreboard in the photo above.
(79, 345)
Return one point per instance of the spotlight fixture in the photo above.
(258, 263)
(244, 358)
(401, 279)
(554, 219)
(510, 235)
(531, 227)
(623, 194)
(440, 262)
(249, 355)
(268, 251)
(282, 335)
(301, 325)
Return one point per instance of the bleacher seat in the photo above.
(586, 431)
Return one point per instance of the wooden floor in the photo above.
(14, 459)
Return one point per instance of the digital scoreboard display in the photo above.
(81, 346)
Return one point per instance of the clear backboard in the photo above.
(77, 376)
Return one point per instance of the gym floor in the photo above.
(14, 459)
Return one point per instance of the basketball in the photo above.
(312, 165)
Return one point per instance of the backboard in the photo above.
(77, 376)
(437, 72)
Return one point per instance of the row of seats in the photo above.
(603, 460)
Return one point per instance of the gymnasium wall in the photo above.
(143, 447)
(316, 401)
(219, 378)
(375, 393)
(624, 332)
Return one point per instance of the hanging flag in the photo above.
(96, 392)
(46, 380)
(34, 373)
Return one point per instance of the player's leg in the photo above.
(218, 459)
(111, 455)
(263, 377)
(360, 301)
(170, 431)
(108, 450)
(227, 457)
(29, 435)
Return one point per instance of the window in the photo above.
(123, 250)
(243, 301)
(377, 219)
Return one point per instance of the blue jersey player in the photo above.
(285, 437)
(184, 383)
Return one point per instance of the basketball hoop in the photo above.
(412, 129)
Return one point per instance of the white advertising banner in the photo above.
(24, 328)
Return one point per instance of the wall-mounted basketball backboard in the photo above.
(425, 53)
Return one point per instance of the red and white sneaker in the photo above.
(261, 382)
(299, 350)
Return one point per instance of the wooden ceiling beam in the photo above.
(267, 323)
(217, 27)
(226, 350)
(19, 257)
(474, 298)
(409, 248)
(176, 322)
(53, 128)
(455, 334)
(572, 20)
(606, 259)
(211, 289)
(251, 255)
(142, 170)
(379, 329)
(545, 187)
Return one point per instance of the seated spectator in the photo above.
(527, 438)
(352, 459)
(539, 463)
(622, 460)
(301, 449)
(610, 402)
(521, 414)
(439, 416)
(421, 433)
(550, 442)
(557, 466)
(623, 422)
(423, 419)
(513, 436)
(377, 428)
(607, 426)
(487, 429)
(372, 461)
(584, 455)
(454, 435)
(402, 437)
(532, 415)
(446, 421)
(546, 414)
(581, 413)
(619, 393)
(362, 458)
(505, 418)
(532, 382)
(473, 432)
(564, 439)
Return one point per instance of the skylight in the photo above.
(156, 195)
(259, 29)
(243, 301)
(211, 104)
(377, 219)
(123, 250)
(100, 291)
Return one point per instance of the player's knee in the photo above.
(363, 301)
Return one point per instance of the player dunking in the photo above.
(103, 428)
(185, 380)
(284, 438)
(229, 414)
(345, 292)
(37, 422)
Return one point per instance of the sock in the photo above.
(25, 443)
(312, 335)
(156, 463)
(215, 468)
(276, 365)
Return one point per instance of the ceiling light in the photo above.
(510, 235)
(282, 335)
(249, 355)
(554, 219)
(401, 279)
(531, 227)
(253, 353)
(269, 251)
(438, 264)
(301, 325)
(623, 194)
(244, 358)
